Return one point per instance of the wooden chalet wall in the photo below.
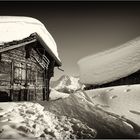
(128, 80)
(25, 73)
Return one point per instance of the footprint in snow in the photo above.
(134, 112)
(95, 96)
(105, 106)
(110, 89)
(112, 97)
(1, 109)
(97, 105)
(127, 90)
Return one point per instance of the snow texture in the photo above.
(113, 112)
(121, 100)
(55, 95)
(17, 28)
(112, 64)
(29, 120)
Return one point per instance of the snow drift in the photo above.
(111, 65)
(17, 28)
(29, 121)
(113, 112)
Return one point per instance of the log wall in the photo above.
(24, 74)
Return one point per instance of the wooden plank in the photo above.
(12, 80)
(44, 85)
(16, 46)
(58, 62)
(26, 85)
(47, 89)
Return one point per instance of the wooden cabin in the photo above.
(26, 62)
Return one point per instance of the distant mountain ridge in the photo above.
(67, 84)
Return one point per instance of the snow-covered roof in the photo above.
(112, 64)
(18, 28)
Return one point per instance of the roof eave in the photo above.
(58, 62)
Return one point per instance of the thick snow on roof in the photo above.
(18, 28)
(112, 64)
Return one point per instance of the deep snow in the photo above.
(121, 100)
(29, 120)
(11, 25)
(111, 112)
(111, 65)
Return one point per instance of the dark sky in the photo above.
(81, 28)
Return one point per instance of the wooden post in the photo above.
(49, 74)
(47, 89)
(25, 94)
(19, 95)
(0, 56)
(26, 84)
(12, 80)
(35, 84)
(44, 85)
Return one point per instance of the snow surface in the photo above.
(112, 64)
(55, 95)
(29, 120)
(121, 100)
(111, 112)
(17, 28)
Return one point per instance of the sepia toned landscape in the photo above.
(69, 70)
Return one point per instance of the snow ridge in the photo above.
(111, 65)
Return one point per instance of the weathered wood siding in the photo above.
(23, 74)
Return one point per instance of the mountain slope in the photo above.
(113, 112)
(67, 84)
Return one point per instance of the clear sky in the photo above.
(81, 28)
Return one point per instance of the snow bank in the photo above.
(17, 28)
(112, 112)
(112, 64)
(121, 100)
(29, 120)
(102, 113)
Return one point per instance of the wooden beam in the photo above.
(12, 80)
(16, 46)
(44, 85)
(47, 89)
(26, 85)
